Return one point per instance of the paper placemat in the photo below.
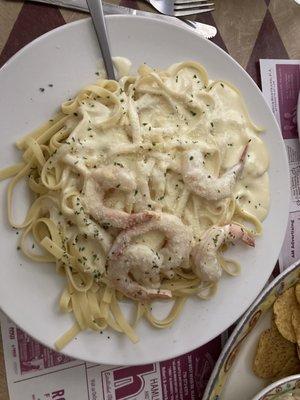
(35, 372)
(281, 86)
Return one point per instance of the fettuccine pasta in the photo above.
(139, 187)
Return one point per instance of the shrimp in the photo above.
(202, 183)
(175, 251)
(204, 254)
(100, 181)
(144, 266)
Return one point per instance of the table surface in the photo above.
(248, 30)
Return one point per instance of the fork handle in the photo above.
(97, 14)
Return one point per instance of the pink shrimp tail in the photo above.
(244, 153)
(248, 239)
(240, 234)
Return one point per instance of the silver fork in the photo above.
(180, 8)
(97, 14)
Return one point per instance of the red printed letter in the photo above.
(130, 381)
(58, 393)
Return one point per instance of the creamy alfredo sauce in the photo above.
(161, 115)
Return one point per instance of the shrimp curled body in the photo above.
(204, 254)
(98, 183)
(126, 259)
(199, 180)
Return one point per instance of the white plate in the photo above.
(68, 58)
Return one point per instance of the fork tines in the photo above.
(183, 4)
(186, 7)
